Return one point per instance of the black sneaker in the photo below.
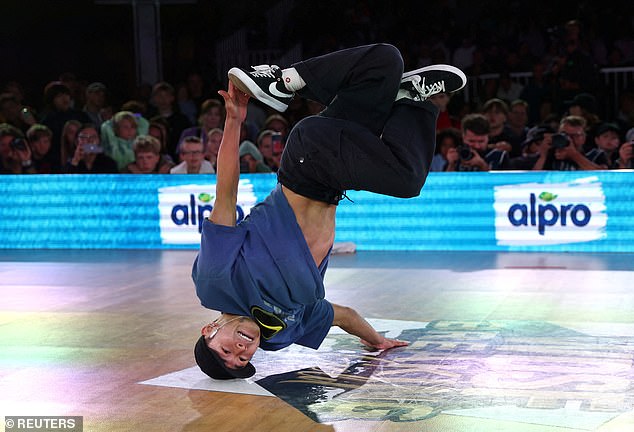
(264, 83)
(421, 84)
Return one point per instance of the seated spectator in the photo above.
(192, 154)
(607, 141)
(266, 143)
(158, 129)
(626, 152)
(251, 160)
(445, 139)
(214, 138)
(67, 143)
(148, 158)
(566, 152)
(534, 149)
(88, 156)
(277, 123)
(15, 154)
(212, 116)
(118, 134)
(475, 154)
(39, 138)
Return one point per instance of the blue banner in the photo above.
(585, 211)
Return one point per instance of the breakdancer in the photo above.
(265, 274)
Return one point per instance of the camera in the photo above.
(18, 144)
(560, 140)
(465, 153)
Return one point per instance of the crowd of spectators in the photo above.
(555, 121)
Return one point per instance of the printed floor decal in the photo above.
(523, 372)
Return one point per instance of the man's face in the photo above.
(235, 342)
(147, 161)
(192, 153)
(476, 142)
(96, 98)
(518, 116)
(495, 117)
(61, 102)
(163, 99)
(576, 133)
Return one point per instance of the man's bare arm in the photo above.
(228, 161)
(350, 321)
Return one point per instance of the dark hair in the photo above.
(476, 123)
(38, 131)
(54, 89)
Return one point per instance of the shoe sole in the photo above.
(245, 84)
(441, 67)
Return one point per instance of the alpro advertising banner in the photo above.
(585, 211)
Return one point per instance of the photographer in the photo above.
(626, 152)
(566, 153)
(15, 154)
(88, 157)
(475, 154)
(534, 149)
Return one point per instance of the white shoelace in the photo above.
(427, 91)
(263, 71)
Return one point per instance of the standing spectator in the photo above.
(118, 134)
(192, 153)
(508, 90)
(15, 154)
(39, 138)
(163, 105)
(88, 156)
(500, 135)
(537, 91)
(185, 103)
(148, 158)
(212, 116)
(95, 103)
(58, 111)
(517, 122)
(463, 55)
(476, 155)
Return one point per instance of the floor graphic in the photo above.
(523, 372)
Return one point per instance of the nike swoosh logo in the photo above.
(275, 92)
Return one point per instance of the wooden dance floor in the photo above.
(498, 342)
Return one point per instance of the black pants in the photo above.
(363, 140)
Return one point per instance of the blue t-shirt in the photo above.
(263, 268)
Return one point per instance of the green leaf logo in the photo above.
(547, 196)
(205, 197)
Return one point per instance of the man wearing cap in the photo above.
(95, 102)
(266, 273)
(534, 149)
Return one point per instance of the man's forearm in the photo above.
(350, 321)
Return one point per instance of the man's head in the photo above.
(518, 113)
(475, 131)
(496, 111)
(575, 128)
(7, 134)
(225, 347)
(192, 151)
(214, 138)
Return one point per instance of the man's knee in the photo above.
(390, 56)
